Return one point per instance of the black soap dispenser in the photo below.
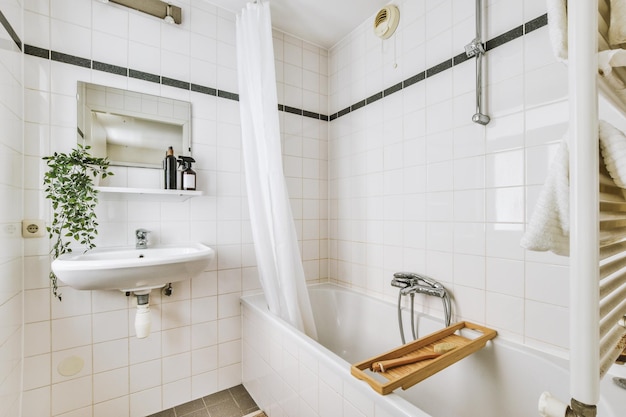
(188, 175)
(169, 168)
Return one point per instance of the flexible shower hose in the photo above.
(447, 311)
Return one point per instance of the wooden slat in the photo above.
(611, 348)
(613, 265)
(612, 277)
(613, 223)
(613, 249)
(612, 207)
(612, 309)
(607, 197)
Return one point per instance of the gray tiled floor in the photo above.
(232, 402)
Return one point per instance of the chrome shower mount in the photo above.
(476, 49)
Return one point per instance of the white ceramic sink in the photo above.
(130, 269)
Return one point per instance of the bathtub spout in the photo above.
(422, 289)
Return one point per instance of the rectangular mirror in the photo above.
(132, 129)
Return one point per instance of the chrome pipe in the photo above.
(476, 49)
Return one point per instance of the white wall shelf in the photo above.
(146, 194)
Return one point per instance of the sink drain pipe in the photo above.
(142, 318)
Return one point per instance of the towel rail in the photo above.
(584, 266)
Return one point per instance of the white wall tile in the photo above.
(36, 371)
(110, 325)
(505, 276)
(71, 395)
(110, 355)
(505, 312)
(71, 332)
(544, 322)
(176, 393)
(176, 367)
(36, 402)
(70, 38)
(110, 385)
(146, 402)
(115, 407)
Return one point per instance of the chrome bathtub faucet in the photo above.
(142, 238)
(410, 284)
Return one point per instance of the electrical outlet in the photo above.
(33, 228)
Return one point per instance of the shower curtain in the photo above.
(275, 241)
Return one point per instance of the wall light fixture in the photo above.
(157, 8)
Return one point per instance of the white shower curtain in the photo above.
(273, 229)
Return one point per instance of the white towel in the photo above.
(557, 27)
(548, 228)
(613, 148)
(617, 26)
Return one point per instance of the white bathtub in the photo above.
(289, 374)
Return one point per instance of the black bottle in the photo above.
(169, 168)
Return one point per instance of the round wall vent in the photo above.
(386, 21)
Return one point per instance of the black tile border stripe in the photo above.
(38, 52)
(146, 76)
(414, 79)
(394, 88)
(374, 97)
(204, 90)
(7, 26)
(436, 69)
(113, 69)
(293, 110)
(536, 23)
(504, 38)
(227, 95)
(499, 40)
(70, 59)
(175, 83)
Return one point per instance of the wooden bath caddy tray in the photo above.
(406, 376)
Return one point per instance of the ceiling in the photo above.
(322, 22)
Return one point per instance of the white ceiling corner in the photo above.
(322, 22)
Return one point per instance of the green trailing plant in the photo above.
(70, 187)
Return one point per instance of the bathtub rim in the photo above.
(394, 402)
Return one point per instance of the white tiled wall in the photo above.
(415, 185)
(195, 344)
(11, 247)
(405, 183)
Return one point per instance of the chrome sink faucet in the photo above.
(142, 238)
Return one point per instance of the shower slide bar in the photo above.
(476, 48)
